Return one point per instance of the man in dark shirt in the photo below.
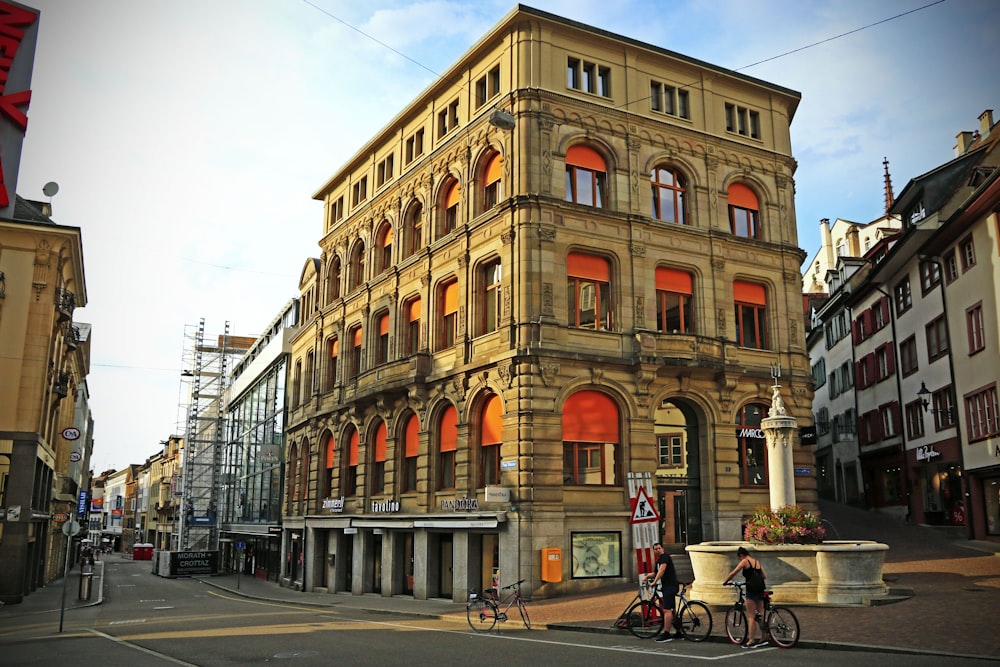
(666, 576)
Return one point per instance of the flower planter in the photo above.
(843, 572)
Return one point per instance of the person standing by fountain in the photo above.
(754, 575)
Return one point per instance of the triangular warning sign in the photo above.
(644, 510)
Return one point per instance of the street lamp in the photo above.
(924, 395)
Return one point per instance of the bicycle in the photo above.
(779, 623)
(483, 611)
(645, 618)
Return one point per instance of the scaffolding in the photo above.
(206, 373)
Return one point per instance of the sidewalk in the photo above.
(954, 583)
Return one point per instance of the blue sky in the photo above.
(187, 138)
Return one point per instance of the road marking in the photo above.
(128, 622)
(161, 608)
(142, 649)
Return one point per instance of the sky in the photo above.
(188, 137)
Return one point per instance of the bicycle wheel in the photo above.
(736, 625)
(644, 620)
(524, 613)
(482, 614)
(696, 621)
(783, 627)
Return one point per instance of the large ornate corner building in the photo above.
(570, 260)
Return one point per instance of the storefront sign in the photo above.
(497, 494)
(334, 504)
(385, 506)
(750, 433)
(460, 505)
(81, 506)
(927, 453)
(184, 563)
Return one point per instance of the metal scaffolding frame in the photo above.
(206, 371)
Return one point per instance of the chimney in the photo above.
(985, 122)
(826, 242)
(963, 139)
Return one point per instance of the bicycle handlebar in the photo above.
(515, 584)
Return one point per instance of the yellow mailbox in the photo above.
(552, 564)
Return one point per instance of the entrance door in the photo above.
(445, 556)
(678, 480)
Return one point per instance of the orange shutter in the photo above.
(352, 448)
(331, 446)
(412, 436)
(335, 348)
(383, 325)
(492, 423)
(451, 298)
(357, 337)
(591, 267)
(742, 196)
(586, 157)
(449, 430)
(590, 416)
(744, 292)
(494, 169)
(415, 310)
(380, 438)
(454, 194)
(387, 240)
(673, 280)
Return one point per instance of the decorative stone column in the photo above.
(779, 430)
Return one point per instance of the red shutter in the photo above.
(855, 332)
(890, 358)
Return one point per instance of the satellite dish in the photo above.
(50, 189)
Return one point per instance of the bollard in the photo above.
(86, 581)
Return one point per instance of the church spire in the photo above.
(890, 199)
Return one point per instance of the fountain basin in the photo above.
(836, 572)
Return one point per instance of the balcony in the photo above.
(61, 387)
(71, 336)
(394, 376)
(65, 304)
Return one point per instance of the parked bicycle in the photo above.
(484, 611)
(779, 623)
(645, 615)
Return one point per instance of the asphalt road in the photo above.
(149, 620)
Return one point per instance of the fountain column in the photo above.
(779, 431)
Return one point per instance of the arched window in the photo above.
(333, 351)
(751, 314)
(378, 461)
(586, 176)
(590, 427)
(382, 345)
(292, 478)
(490, 277)
(356, 338)
(589, 291)
(490, 427)
(414, 240)
(447, 447)
(304, 469)
(412, 333)
(744, 216)
(452, 197)
(411, 447)
(331, 450)
(350, 485)
(307, 381)
(492, 183)
(668, 195)
(448, 307)
(752, 446)
(357, 265)
(333, 281)
(384, 245)
(674, 309)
